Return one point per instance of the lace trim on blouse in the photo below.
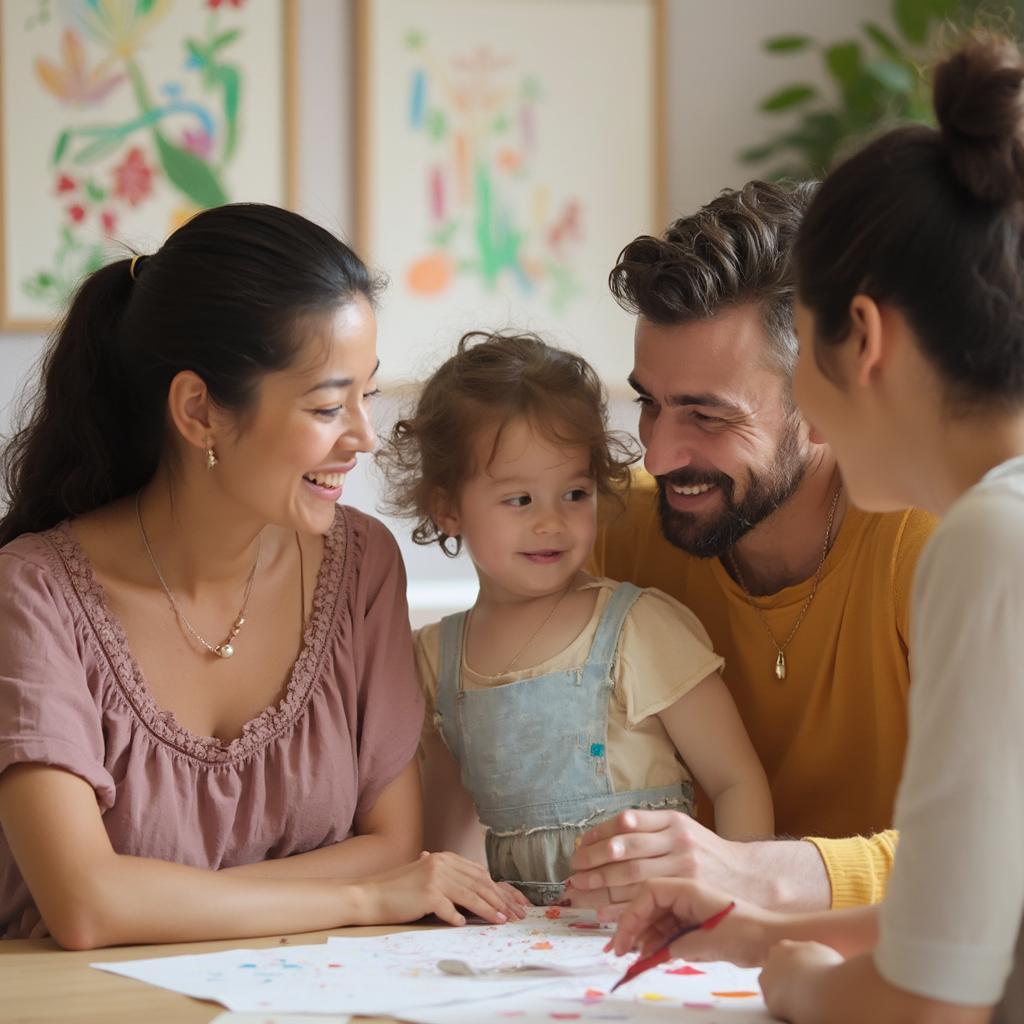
(343, 549)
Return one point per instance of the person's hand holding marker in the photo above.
(666, 905)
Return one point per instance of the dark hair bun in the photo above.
(979, 102)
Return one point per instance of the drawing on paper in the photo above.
(142, 113)
(491, 213)
(398, 975)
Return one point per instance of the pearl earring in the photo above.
(211, 457)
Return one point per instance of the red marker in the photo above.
(659, 956)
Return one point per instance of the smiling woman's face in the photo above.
(288, 461)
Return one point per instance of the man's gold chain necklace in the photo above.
(780, 661)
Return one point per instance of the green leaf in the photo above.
(895, 77)
(227, 77)
(198, 53)
(414, 39)
(788, 97)
(224, 38)
(94, 191)
(883, 40)
(143, 7)
(62, 144)
(188, 173)
(787, 44)
(97, 149)
(843, 61)
(755, 154)
(912, 18)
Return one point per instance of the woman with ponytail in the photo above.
(208, 702)
(910, 315)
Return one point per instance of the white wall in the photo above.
(716, 72)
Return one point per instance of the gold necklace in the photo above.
(533, 636)
(225, 649)
(780, 661)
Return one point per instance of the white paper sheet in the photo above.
(229, 1017)
(397, 975)
(311, 979)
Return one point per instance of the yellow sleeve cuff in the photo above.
(858, 868)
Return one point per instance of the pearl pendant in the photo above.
(225, 650)
(780, 666)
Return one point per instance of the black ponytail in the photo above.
(224, 297)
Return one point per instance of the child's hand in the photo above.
(437, 883)
(665, 905)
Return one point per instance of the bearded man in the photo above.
(742, 515)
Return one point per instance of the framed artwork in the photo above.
(506, 151)
(120, 119)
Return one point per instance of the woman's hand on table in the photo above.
(439, 884)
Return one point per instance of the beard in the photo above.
(711, 535)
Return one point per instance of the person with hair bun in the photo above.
(208, 700)
(910, 314)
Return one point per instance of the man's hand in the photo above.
(617, 855)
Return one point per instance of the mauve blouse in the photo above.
(72, 696)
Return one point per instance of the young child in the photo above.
(558, 699)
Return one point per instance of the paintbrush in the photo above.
(660, 955)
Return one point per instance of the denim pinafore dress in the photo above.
(532, 755)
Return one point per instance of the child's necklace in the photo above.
(533, 636)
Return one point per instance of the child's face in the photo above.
(528, 516)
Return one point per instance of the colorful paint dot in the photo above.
(541, 945)
(334, 965)
(654, 997)
(687, 970)
(553, 912)
(735, 995)
(246, 965)
(698, 1006)
(597, 750)
(590, 926)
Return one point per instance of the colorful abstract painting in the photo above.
(123, 118)
(507, 153)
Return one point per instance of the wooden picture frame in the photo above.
(119, 120)
(506, 151)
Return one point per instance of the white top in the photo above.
(951, 918)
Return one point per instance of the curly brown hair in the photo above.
(492, 380)
(735, 250)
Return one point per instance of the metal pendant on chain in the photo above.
(225, 649)
(780, 660)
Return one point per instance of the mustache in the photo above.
(695, 478)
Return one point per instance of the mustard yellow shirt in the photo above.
(832, 734)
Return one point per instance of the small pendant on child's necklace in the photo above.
(780, 666)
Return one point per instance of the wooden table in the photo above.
(42, 984)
